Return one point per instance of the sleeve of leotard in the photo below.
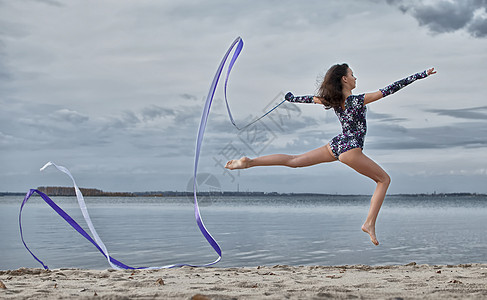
(299, 99)
(361, 100)
(356, 101)
(396, 86)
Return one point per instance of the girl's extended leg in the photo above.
(361, 163)
(313, 157)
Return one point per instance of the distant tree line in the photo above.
(69, 191)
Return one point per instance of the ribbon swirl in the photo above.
(97, 242)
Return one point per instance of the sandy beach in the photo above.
(409, 281)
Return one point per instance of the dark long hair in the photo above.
(330, 91)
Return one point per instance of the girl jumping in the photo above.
(336, 92)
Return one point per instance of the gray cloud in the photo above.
(7, 141)
(448, 16)
(188, 96)
(154, 112)
(66, 115)
(464, 135)
(49, 2)
(51, 127)
(4, 74)
(475, 113)
(382, 117)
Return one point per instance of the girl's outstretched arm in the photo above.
(396, 86)
(301, 99)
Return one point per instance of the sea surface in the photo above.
(252, 231)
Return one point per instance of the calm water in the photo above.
(298, 230)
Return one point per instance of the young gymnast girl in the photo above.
(336, 92)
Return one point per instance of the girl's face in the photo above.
(350, 79)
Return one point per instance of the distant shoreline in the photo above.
(69, 191)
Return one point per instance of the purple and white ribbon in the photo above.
(96, 241)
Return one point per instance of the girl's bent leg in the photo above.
(361, 163)
(313, 157)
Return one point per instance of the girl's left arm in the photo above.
(301, 99)
(396, 86)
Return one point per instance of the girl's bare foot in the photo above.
(371, 231)
(242, 163)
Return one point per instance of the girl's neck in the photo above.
(346, 93)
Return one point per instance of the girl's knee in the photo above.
(293, 161)
(384, 179)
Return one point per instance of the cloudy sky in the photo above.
(114, 91)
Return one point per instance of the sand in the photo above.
(271, 282)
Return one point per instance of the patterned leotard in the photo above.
(354, 125)
(352, 118)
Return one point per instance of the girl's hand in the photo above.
(431, 71)
(317, 100)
